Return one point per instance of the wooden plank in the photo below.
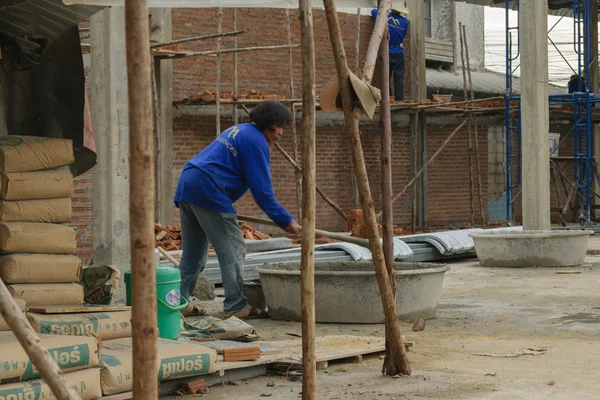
(241, 354)
(220, 345)
(120, 396)
(89, 308)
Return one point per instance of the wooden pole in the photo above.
(293, 95)
(469, 149)
(355, 197)
(332, 235)
(157, 147)
(235, 69)
(396, 361)
(477, 164)
(308, 128)
(39, 356)
(196, 38)
(226, 51)
(218, 92)
(141, 192)
(385, 6)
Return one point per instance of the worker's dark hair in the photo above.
(270, 114)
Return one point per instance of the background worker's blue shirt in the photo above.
(222, 173)
(398, 26)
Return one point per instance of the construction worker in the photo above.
(209, 186)
(398, 27)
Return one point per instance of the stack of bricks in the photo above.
(356, 224)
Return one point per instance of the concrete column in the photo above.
(161, 31)
(108, 94)
(533, 22)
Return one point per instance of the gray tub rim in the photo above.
(272, 271)
(529, 234)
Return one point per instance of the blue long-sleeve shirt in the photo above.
(398, 26)
(222, 173)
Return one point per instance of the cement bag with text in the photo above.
(70, 353)
(100, 282)
(36, 185)
(39, 268)
(3, 325)
(176, 359)
(48, 294)
(35, 237)
(32, 153)
(86, 384)
(110, 325)
(232, 328)
(53, 211)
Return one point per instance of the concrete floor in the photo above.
(497, 312)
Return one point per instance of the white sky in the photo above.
(562, 35)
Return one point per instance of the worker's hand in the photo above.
(293, 227)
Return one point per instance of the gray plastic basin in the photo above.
(347, 292)
(560, 248)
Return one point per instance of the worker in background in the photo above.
(398, 27)
(209, 186)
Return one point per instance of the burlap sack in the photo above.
(39, 238)
(36, 185)
(107, 325)
(86, 384)
(32, 153)
(53, 211)
(70, 353)
(39, 268)
(48, 294)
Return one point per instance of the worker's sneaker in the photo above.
(249, 312)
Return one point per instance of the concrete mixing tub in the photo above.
(559, 248)
(347, 292)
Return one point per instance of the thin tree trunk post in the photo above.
(293, 95)
(218, 93)
(396, 361)
(235, 70)
(39, 356)
(141, 192)
(386, 161)
(156, 121)
(469, 148)
(197, 38)
(211, 53)
(414, 125)
(308, 128)
(355, 197)
(385, 6)
(477, 164)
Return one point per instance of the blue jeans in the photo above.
(397, 69)
(199, 226)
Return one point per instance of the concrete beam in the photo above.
(533, 20)
(161, 31)
(110, 112)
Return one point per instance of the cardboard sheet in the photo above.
(36, 185)
(35, 237)
(39, 268)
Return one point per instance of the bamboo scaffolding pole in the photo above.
(413, 106)
(308, 129)
(226, 51)
(294, 164)
(417, 175)
(197, 38)
(37, 353)
(395, 361)
(141, 192)
(385, 6)
(469, 149)
(298, 173)
(218, 92)
(235, 69)
(477, 163)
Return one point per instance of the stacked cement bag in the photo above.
(36, 260)
(77, 357)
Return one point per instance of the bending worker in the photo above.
(398, 27)
(210, 184)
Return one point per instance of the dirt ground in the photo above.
(498, 312)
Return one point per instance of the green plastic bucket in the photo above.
(169, 301)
